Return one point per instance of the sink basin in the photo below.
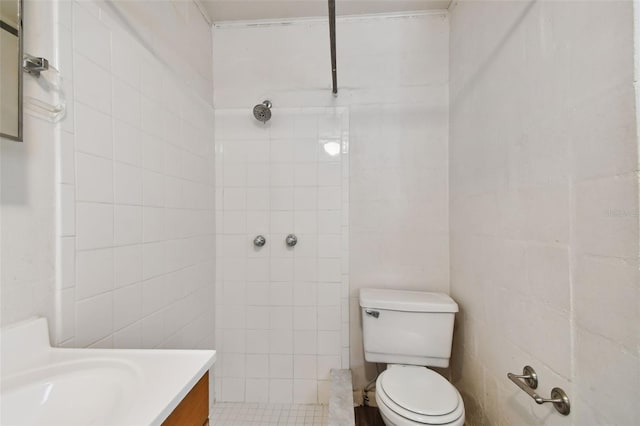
(46, 386)
(90, 392)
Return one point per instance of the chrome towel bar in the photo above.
(528, 381)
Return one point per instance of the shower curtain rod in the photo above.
(332, 36)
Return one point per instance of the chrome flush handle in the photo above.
(372, 313)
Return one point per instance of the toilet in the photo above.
(410, 331)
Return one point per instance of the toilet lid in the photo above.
(419, 390)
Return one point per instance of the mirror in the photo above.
(11, 69)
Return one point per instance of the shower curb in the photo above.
(341, 399)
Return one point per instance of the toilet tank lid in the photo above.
(406, 300)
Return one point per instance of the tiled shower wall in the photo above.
(136, 197)
(282, 319)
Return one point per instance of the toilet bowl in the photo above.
(411, 395)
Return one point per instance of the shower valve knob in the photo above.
(259, 241)
(291, 240)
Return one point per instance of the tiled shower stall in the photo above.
(282, 319)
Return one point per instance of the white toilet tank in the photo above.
(407, 327)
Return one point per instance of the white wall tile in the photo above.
(257, 390)
(154, 224)
(126, 102)
(280, 366)
(127, 309)
(305, 318)
(234, 199)
(281, 199)
(92, 84)
(153, 117)
(280, 342)
(127, 222)
(257, 366)
(257, 318)
(93, 131)
(280, 391)
(328, 342)
(127, 143)
(305, 198)
(305, 342)
(94, 178)
(153, 259)
(305, 174)
(152, 189)
(127, 184)
(329, 318)
(325, 364)
(329, 198)
(329, 222)
(281, 174)
(329, 270)
(305, 392)
(94, 319)
(127, 265)
(125, 55)
(91, 37)
(129, 337)
(304, 366)
(304, 294)
(281, 222)
(153, 152)
(94, 272)
(94, 225)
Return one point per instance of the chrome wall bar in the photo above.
(528, 381)
(332, 36)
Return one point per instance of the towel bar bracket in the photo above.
(528, 381)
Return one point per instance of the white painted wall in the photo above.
(544, 209)
(393, 79)
(27, 200)
(136, 194)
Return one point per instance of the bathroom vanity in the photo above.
(52, 386)
(194, 407)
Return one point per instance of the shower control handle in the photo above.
(291, 240)
(259, 241)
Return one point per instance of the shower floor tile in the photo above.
(250, 414)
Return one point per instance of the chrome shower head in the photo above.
(262, 112)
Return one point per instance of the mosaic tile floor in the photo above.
(248, 414)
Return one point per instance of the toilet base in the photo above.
(390, 418)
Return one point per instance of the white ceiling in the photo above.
(236, 10)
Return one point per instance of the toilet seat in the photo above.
(417, 395)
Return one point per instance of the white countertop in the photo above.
(55, 386)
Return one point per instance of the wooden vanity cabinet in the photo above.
(193, 410)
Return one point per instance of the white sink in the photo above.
(45, 386)
(90, 392)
